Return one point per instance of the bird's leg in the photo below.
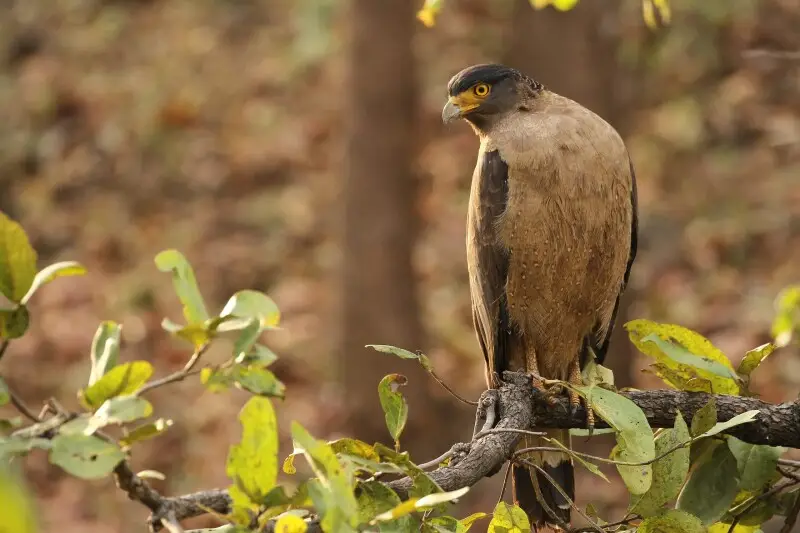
(575, 378)
(549, 393)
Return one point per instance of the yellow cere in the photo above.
(471, 98)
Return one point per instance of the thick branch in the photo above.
(776, 425)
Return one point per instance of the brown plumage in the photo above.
(551, 236)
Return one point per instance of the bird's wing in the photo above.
(602, 334)
(488, 261)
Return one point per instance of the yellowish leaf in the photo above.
(430, 9)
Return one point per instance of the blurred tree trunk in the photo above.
(575, 54)
(380, 304)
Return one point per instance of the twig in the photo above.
(170, 522)
(22, 407)
(789, 463)
(505, 483)
(788, 473)
(564, 494)
(777, 54)
(624, 522)
(180, 375)
(748, 504)
(136, 488)
(791, 518)
(486, 404)
(493, 431)
(453, 393)
(4, 347)
(435, 462)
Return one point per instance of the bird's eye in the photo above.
(481, 90)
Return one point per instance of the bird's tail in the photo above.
(527, 482)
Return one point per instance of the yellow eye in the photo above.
(481, 90)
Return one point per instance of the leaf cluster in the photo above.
(688, 478)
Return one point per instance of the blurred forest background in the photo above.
(296, 147)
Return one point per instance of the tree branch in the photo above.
(776, 425)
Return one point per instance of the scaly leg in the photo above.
(532, 367)
(575, 398)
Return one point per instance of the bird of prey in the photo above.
(551, 236)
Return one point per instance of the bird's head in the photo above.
(482, 93)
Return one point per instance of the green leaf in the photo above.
(427, 14)
(253, 462)
(422, 483)
(672, 521)
(656, 13)
(247, 339)
(562, 5)
(119, 410)
(49, 273)
(356, 464)
(334, 492)
(14, 322)
(686, 352)
(80, 425)
(16, 505)
(756, 464)
(596, 374)
(5, 396)
(227, 528)
(216, 380)
(394, 404)
(403, 354)
(375, 498)
(712, 487)
(85, 456)
(258, 381)
(787, 317)
(250, 304)
(669, 472)
(120, 380)
(105, 349)
(17, 260)
(402, 509)
(194, 309)
(20, 445)
(441, 497)
(753, 358)
(738, 420)
(591, 467)
(705, 418)
(197, 334)
(259, 355)
(466, 523)
(355, 447)
(509, 519)
(441, 524)
(682, 355)
(685, 381)
(145, 431)
(289, 523)
(9, 424)
(722, 527)
(634, 436)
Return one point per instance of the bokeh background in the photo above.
(295, 146)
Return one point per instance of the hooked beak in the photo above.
(451, 111)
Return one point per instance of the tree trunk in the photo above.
(574, 54)
(380, 304)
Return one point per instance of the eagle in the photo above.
(551, 237)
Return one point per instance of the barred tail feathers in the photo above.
(525, 481)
